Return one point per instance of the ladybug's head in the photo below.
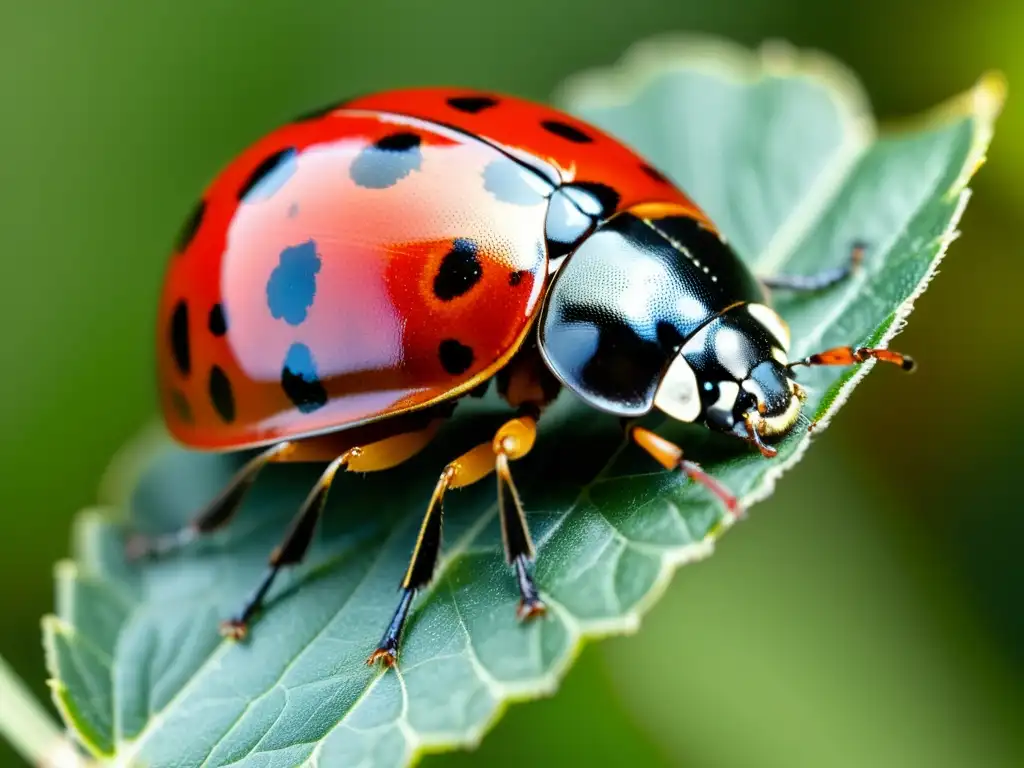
(733, 376)
(658, 312)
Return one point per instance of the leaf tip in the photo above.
(53, 626)
(129, 462)
(65, 569)
(87, 529)
(982, 104)
(65, 574)
(990, 94)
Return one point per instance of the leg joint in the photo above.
(515, 438)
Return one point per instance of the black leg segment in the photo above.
(420, 570)
(214, 516)
(515, 535)
(291, 551)
(513, 440)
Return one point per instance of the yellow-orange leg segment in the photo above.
(670, 456)
(851, 355)
(513, 440)
(381, 454)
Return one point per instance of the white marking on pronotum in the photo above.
(677, 394)
(772, 323)
(733, 351)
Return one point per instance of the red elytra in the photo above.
(311, 291)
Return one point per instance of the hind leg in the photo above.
(215, 515)
(819, 280)
(384, 454)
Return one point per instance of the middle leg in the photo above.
(513, 440)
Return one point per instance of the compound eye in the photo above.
(719, 399)
(746, 402)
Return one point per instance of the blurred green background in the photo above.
(868, 614)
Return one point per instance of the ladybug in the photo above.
(346, 279)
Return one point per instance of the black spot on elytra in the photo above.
(460, 270)
(399, 142)
(179, 403)
(221, 396)
(606, 196)
(472, 104)
(515, 278)
(566, 131)
(455, 356)
(511, 183)
(190, 227)
(181, 349)
(269, 176)
(301, 381)
(217, 322)
(387, 162)
(654, 173)
(292, 285)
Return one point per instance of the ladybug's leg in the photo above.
(851, 355)
(821, 280)
(216, 514)
(383, 454)
(670, 456)
(513, 440)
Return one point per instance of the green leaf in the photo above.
(779, 148)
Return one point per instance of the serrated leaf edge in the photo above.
(78, 726)
(983, 103)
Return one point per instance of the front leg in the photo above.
(670, 456)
